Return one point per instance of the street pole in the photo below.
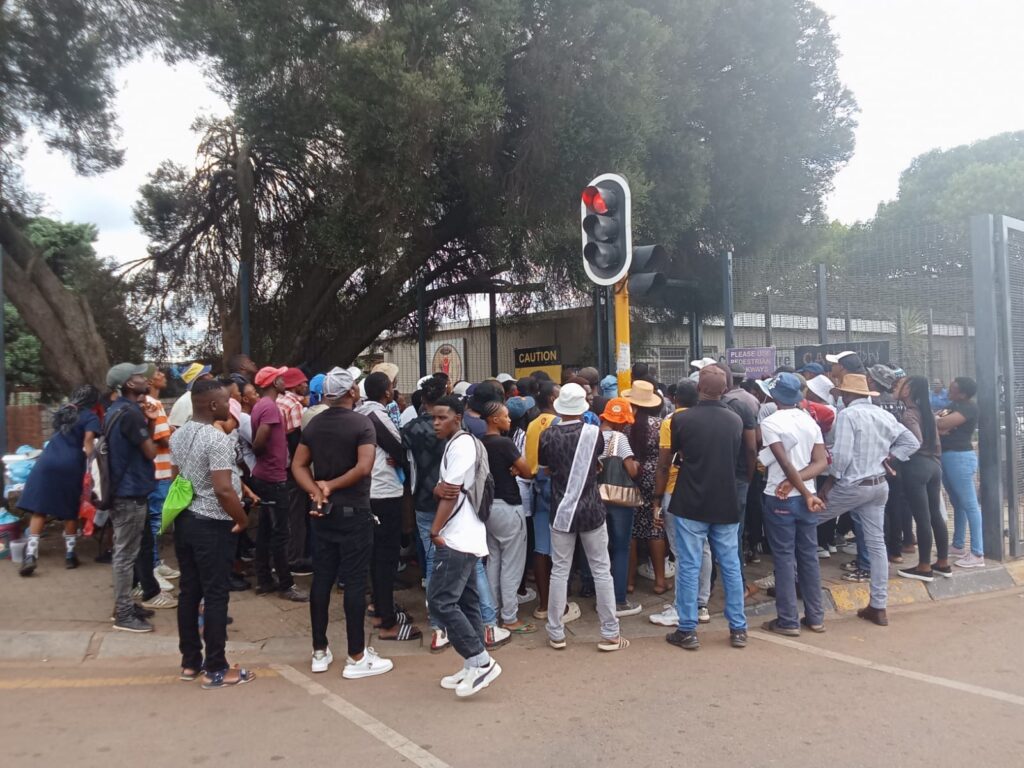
(822, 304)
(492, 300)
(3, 386)
(599, 326)
(421, 324)
(622, 357)
(727, 301)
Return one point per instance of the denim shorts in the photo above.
(542, 516)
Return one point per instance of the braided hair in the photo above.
(82, 399)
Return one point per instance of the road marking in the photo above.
(52, 683)
(383, 733)
(921, 677)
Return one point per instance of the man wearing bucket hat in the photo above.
(569, 450)
(866, 437)
(794, 454)
(182, 410)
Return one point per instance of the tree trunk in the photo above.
(237, 320)
(73, 351)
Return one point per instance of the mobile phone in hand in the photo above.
(326, 508)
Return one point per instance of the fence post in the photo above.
(696, 336)
(768, 320)
(421, 324)
(986, 365)
(727, 301)
(493, 302)
(848, 323)
(3, 383)
(822, 304)
(931, 346)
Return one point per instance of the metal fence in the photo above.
(910, 289)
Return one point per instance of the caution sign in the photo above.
(547, 359)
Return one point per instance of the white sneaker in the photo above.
(768, 582)
(667, 618)
(849, 549)
(971, 560)
(166, 571)
(136, 591)
(529, 597)
(165, 585)
(371, 664)
(495, 636)
(572, 612)
(703, 614)
(451, 682)
(823, 553)
(439, 641)
(161, 600)
(478, 678)
(322, 660)
(670, 569)
(646, 571)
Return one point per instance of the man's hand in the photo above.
(659, 518)
(814, 504)
(247, 492)
(240, 526)
(445, 490)
(783, 489)
(437, 540)
(151, 409)
(325, 488)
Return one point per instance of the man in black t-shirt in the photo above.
(708, 439)
(332, 464)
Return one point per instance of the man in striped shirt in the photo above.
(160, 432)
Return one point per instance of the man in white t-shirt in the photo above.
(460, 540)
(794, 454)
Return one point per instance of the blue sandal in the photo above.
(216, 679)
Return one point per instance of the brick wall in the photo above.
(27, 425)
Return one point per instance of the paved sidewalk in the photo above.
(58, 613)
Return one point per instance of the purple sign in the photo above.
(759, 361)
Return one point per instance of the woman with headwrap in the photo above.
(54, 489)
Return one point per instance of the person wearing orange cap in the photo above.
(617, 414)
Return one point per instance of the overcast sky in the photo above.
(926, 73)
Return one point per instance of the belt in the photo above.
(872, 480)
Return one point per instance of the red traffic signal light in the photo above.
(605, 224)
(600, 201)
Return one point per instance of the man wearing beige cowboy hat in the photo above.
(866, 437)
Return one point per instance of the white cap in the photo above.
(836, 358)
(503, 377)
(822, 387)
(460, 389)
(337, 382)
(703, 362)
(572, 401)
(355, 372)
(765, 385)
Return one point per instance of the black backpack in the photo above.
(481, 492)
(102, 484)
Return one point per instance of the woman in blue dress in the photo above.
(54, 488)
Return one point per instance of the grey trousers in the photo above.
(506, 547)
(595, 545)
(128, 516)
(867, 505)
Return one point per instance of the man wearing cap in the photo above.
(744, 405)
(339, 446)
(269, 482)
(391, 371)
(811, 371)
(842, 364)
(181, 412)
(291, 404)
(708, 439)
(570, 451)
(794, 454)
(132, 479)
(866, 437)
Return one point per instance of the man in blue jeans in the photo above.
(794, 454)
(460, 540)
(707, 439)
(425, 452)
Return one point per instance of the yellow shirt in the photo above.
(665, 441)
(533, 431)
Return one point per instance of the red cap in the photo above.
(293, 377)
(267, 375)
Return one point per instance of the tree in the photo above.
(449, 142)
(56, 60)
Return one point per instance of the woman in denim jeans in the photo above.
(959, 465)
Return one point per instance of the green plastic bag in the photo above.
(179, 496)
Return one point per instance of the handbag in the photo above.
(614, 483)
(179, 495)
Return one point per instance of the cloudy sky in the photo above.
(927, 74)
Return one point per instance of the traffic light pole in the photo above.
(622, 356)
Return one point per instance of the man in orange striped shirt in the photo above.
(161, 434)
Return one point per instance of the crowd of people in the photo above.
(506, 490)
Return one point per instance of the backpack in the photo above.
(102, 485)
(481, 492)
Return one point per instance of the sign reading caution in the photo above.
(547, 359)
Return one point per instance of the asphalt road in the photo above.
(943, 685)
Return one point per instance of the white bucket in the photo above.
(18, 550)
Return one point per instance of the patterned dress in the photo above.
(643, 520)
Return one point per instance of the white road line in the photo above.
(921, 677)
(386, 735)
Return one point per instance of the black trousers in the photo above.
(342, 548)
(205, 549)
(144, 565)
(899, 520)
(298, 520)
(922, 483)
(387, 545)
(272, 535)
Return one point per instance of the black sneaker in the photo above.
(266, 589)
(738, 638)
(138, 610)
(71, 561)
(914, 573)
(301, 568)
(238, 584)
(850, 567)
(104, 557)
(685, 640)
(133, 624)
(943, 570)
(28, 565)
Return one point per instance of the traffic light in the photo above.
(646, 279)
(605, 222)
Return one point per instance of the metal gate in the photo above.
(997, 250)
